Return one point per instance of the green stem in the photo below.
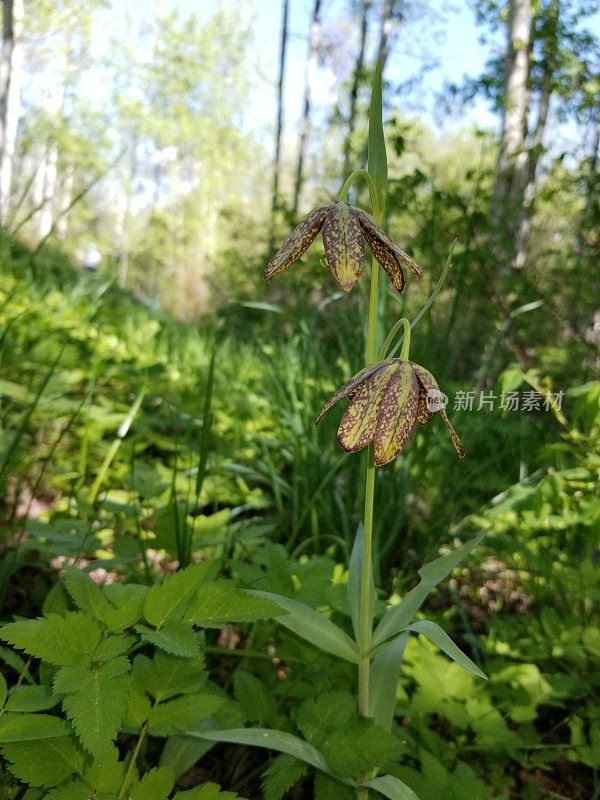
(352, 178)
(436, 290)
(132, 763)
(402, 323)
(365, 624)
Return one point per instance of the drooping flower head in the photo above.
(344, 229)
(387, 399)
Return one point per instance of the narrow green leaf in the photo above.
(440, 638)
(391, 787)
(377, 156)
(171, 598)
(272, 740)
(383, 682)
(354, 580)
(27, 727)
(43, 762)
(16, 662)
(207, 419)
(219, 603)
(3, 690)
(182, 752)
(399, 616)
(314, 627)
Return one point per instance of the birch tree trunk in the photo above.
(311, 68)
(11, 77)
(279, 128)
(357, 78)
(512, 158)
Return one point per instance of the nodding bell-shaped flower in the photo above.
(345, 229)
(387, 399)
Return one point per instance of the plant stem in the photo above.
(132, 763)
(365, 625)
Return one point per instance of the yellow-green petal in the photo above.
(357, 427)
(344, 245)
(297, 243)
(349, 387)
(397, 413)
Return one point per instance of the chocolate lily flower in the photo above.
(345, 229)
(386, 400)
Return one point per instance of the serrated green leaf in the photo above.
(74, 790)
(219, 602)
(391, 787)
(166, 676)
(208, 791)
(359, 747)
(399, 616)
(328, 788)
(383, 682)
(281, 774)
(59, 640)
(106, 773)
(113, 646)
(155, 785)
(126, 605)
(257, 705)
(440, 638)
(85, 593)
(31, 698)
(176, 637)
(95, 701)
(138, 708)
(318, 717)
(183, 713)
(43, 762)
(312, 626)
(171, 598)
(271, 739)
(27, 727)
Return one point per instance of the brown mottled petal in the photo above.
(297, 243)
(428, 382)
(344, 245)
(423, 413)
(357, 427)
(455, 440)
(425, 377)
(349, 387)
(397, 413)
(371, 229)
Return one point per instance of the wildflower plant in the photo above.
(386, 400)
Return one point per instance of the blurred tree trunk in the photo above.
(357, 79)
(279, 128)
(392, 11)
(311, 67)
(11, 75)
(523, 127)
